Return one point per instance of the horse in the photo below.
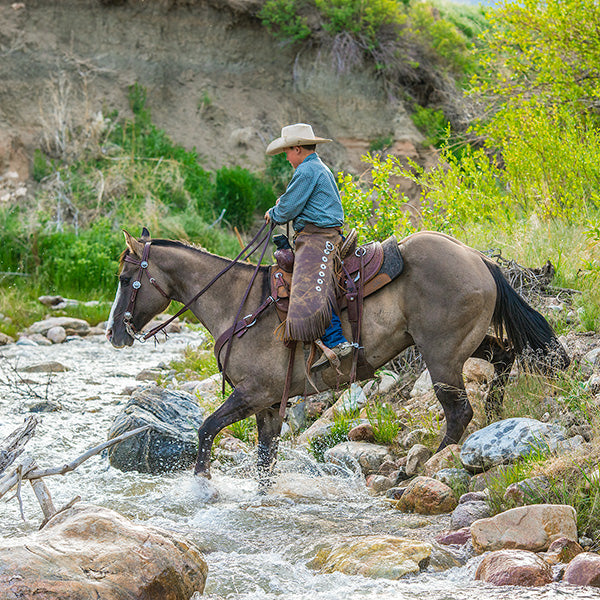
(451, 302)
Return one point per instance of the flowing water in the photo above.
(256, 547)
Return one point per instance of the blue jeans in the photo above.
(333, 334)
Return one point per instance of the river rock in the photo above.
(514, 567)
(529, 491)
(465, 514)
(50, 366)
(362, 433)
(71, 325)
(584, 569)
(379, 483)
(416, 458)
(369, 457)
(57, 335)
(92, 552)
(532, 528)
(171, 442)
(454, 538)
(377, 556)
(427, 496)
(508, 440)
(562, 550)
(447, 458)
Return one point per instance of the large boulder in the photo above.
(506, 441)
(171, 442)
(514, 567)
(377, 556)
(532, 528)
(90, 552)
(427, 496)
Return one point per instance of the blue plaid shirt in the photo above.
(311, 196)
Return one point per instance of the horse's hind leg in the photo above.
(503, 360)
(269, 423)
(235, 408)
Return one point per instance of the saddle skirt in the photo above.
(381, 263)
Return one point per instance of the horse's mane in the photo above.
(183, 245)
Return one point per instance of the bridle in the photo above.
(136, 285)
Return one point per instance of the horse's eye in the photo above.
(124, 280)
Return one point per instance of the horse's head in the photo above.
(141, 295)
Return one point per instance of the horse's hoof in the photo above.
(205, 490)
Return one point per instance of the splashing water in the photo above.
(257, 547)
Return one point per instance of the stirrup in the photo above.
(329, 357)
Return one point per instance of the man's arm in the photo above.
(291, 203)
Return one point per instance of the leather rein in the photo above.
(143, 268)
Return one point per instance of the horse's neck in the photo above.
(217, 307)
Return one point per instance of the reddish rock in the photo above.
(562, 550)
(379, 483)
(427, 496)
(362, 433)
(459, 537)
(514, 567)
(584, 569)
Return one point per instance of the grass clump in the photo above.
(335, 434)
(384, 422)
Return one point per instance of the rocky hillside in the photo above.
(216, 80)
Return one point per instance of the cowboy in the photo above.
(312, 202)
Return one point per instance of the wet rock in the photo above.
(71, 325)
(45, 406)
(171, 442)
(369, 457)
(508, 440)
(584, 570)
(457, 479)
(473, 497)
(38, 339)
(150, 374)
(447, 458)
(514, 567)
(562, 550)
(376, 556)
(532, 528)
(395, 493)
(416, 458)
(93, 552)
(46, 367)
(25, 341)
(379, 483)
(57, 335)
(529, 491)
(454, 538)
(362, 433)
(427, 496)
(465, 514)
(5, 339)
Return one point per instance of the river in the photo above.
(257, 547)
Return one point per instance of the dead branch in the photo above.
(14, 444)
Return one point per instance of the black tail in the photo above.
(527, 330)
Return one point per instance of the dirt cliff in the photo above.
(216, 80)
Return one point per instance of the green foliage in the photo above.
(432, 124)
(362, 18)
(381, 143)
(379, 210)
(244, 430)
(240, 193)
(281, 18)
(384, 421)
(197, 363)
(337, 433)
(42, 166)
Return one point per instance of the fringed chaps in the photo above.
(313, 293)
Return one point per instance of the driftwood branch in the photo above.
(27, 468)
(14, 444)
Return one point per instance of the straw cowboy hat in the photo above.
(299, 134)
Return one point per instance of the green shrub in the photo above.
(384, 421)
(42, 166)
(432, 124)
(240, 194)
(281, 18)
(338, 433)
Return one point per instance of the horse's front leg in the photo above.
(235, 408)
(269, 424)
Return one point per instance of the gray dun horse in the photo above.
(444, 303)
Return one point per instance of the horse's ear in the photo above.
(134, 246)
(145, 234)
